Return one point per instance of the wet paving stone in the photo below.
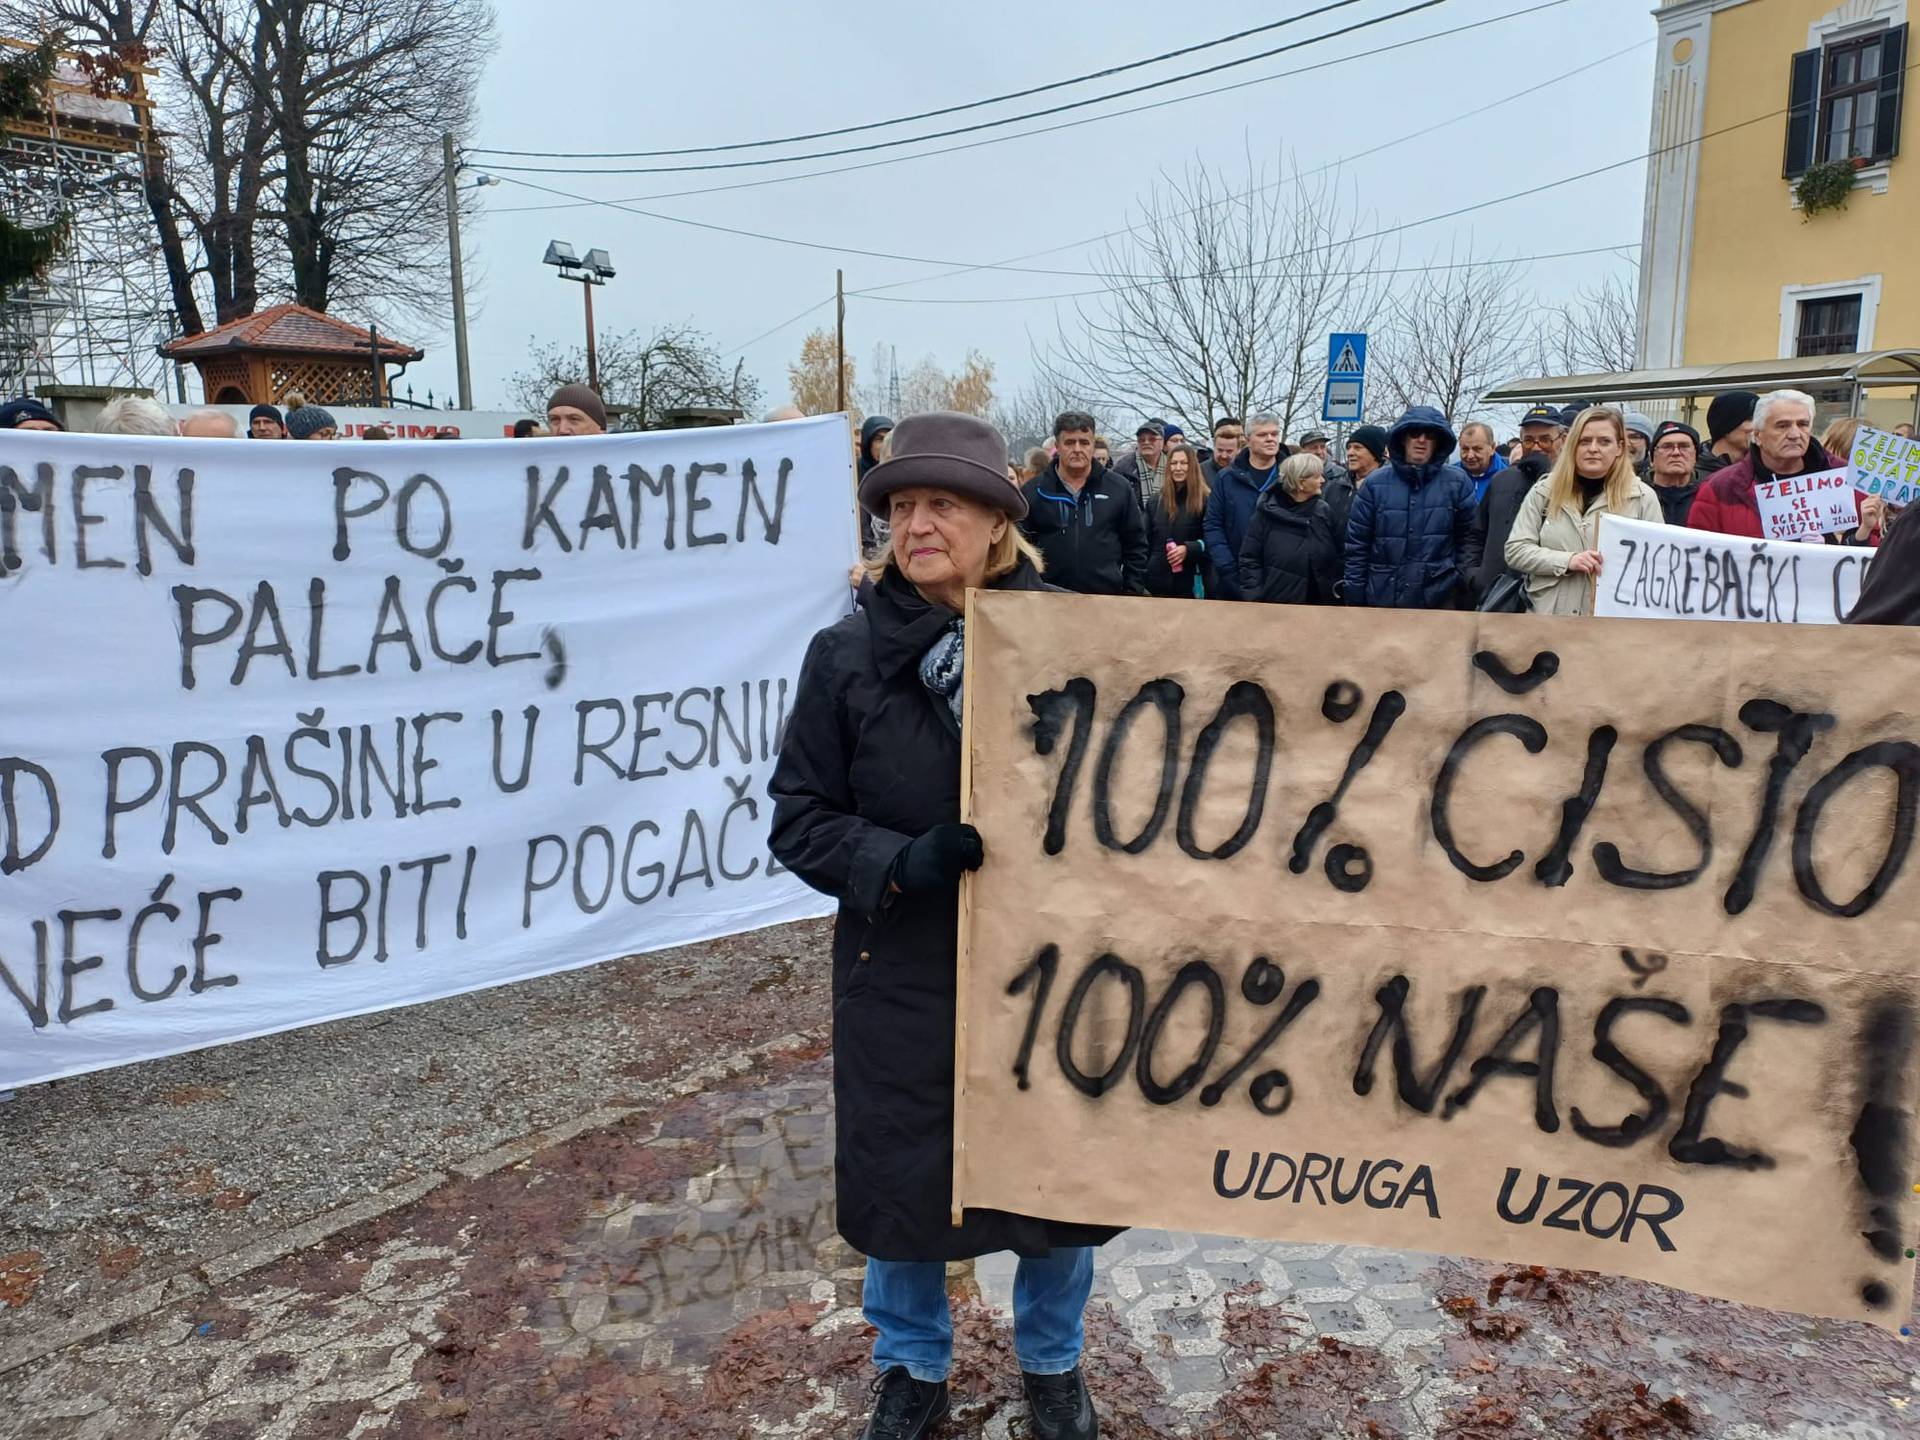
(678, 1274)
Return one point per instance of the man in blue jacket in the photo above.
(1480, 458)
(1407, 534)
(1236, 490)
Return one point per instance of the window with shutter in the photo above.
(1803, 94)
(1893, 75)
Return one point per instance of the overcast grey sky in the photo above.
(596, 75)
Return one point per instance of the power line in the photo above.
(1335, 164)
(791, 319)
(1331, 275)
(984, 124)
(577, 202)
(1455, 213)
(1052, 85)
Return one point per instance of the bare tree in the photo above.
(1220, 299)
(1025, 416)
(1450, 334)
(1595, 332)
(357, 94)
(641, 374)
(303, 156)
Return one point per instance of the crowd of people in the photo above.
(1411, 515)
(867, 789)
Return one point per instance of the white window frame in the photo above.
(1867, 287)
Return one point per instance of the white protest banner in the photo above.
(1885, 464)
(294, 731)
(1667, 572)
(1803, 507)
(402, 422)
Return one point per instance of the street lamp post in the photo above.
(595, 269)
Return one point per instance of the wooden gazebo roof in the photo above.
(287, 348)
(287, 330)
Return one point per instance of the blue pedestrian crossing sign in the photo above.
(1347, 356)
(1346, 377)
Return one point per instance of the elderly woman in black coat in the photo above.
(1290, 554)
(867, 809)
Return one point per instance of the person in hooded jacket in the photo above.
(1486, 557)
(1290, 556)
(1179, 565)
(1407, 534)
(873, 434)
(866, 798)
(1556, 536)
(1084, 519)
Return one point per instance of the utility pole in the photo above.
(593, 357)
(839, 340)
(464, 373)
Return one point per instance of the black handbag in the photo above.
(1508, 595)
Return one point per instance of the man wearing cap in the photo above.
(1729, 430)
(1084, 518)
(1142, 467)
(1317, 443)
(27, 414)
(1639, 440)
(866, 799)
(265, 423)
(1675, 476)
(576, 410)
(1542, 431)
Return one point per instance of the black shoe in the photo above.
(1061, 1407)
(905, 1408)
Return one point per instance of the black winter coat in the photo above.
(1289, 555)
(1677, 500)
(1184, 529)
(1094, 542)
(1493, 518)
(870, 760)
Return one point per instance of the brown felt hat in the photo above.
(946, 451)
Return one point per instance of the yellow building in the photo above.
(1749, 96)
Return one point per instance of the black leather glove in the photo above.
(938, 859)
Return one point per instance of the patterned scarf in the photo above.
(940, 667)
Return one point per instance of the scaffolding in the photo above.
(97, 315)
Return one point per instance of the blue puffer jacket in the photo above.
(1407, 534)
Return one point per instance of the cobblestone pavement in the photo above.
(675, 1272)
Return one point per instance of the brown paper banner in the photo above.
(1583, 943)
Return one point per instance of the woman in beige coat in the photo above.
(1555, 541)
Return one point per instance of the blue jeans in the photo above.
(906, 1301)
